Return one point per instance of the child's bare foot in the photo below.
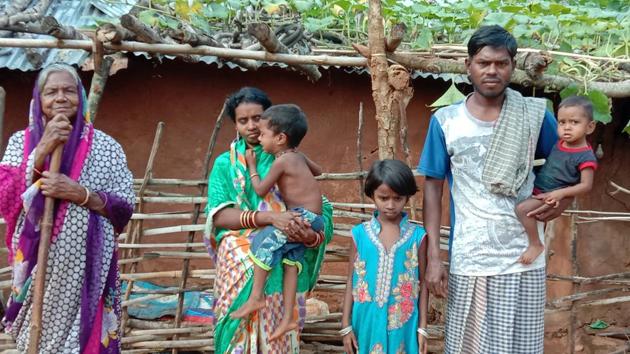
(250, 306)
(284, 327)
(531, 253)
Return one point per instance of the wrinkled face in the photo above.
(60, 95)
(574, 125)
(269, 140)
(247, 119)
(389, 203)
(490, 71)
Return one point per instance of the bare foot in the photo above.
(531, 253)
(250, 306)
(284, 327)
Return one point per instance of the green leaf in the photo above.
(215, 10)
(627, 128)
(599, 324)
(201, 23)
(424, 39)
(452, 95)
(303, 5)
(476, 17)
(148, 17)
(571, 90)
(601, 106)
(498, 18)
(169, 22)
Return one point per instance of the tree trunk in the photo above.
(377, 62)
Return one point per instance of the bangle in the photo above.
(345, 331)
(103, 197)
(37, 171)
(423, 332)
(243, 219)
(318, 241)
(87, 196)
(254, 175)
(253, 223)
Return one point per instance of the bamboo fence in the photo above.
(167, 225)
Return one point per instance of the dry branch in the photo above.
(270, 42)
(113, 33)
(143, 32)
(396, 36)
(612, 89)
(51, 26)
(29, 15)
(197, 39)
(97, 86)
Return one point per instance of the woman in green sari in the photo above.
(230, 194)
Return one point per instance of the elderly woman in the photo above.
(94, 194)
(235, 213)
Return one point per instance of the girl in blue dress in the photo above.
(386, 299)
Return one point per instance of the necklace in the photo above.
(285, 151)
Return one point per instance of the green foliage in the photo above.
(592, 27)
(599, 324)
(602, 104)
(597, 27)
(451, 96)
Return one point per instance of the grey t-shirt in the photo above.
(564, 166)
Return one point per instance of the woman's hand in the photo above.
(299, 230)
(423, 344)
(60, 186)
(281, 221)
(57, 132)
(350, 343)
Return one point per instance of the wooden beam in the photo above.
(618, 89)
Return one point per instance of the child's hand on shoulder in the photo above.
(250, 157)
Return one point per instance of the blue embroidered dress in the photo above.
(385, 289)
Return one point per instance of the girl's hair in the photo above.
(395, 174)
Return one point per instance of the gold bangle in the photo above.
(253, 219)
(254, 175)
(241, 219)
(87, 196)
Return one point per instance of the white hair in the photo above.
(55, 68)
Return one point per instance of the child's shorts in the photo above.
(270, 247)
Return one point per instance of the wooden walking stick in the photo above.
(46, 227)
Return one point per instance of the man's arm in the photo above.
(432, 215)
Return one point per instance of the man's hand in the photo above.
(437, 279)
(547, 212)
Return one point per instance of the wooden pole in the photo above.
(196, 213)
(42, 259)
(618, 89)
(136, 225)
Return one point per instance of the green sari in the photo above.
(229, 186)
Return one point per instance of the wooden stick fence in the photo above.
(320, 333)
